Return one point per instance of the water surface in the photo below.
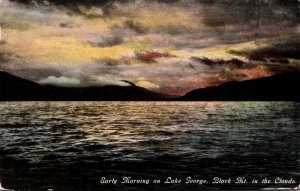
(71, 145)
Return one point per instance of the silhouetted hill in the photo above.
(13, 88)
(282, 87)
(105, 93)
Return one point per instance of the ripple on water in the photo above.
(88, 139)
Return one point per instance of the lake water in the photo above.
(72, 145)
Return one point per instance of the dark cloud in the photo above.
(232, 63)
(64, 2)
(224, 12)
(279, 52)
(4, 57)
(231, 11)
(135, 26)
(150, 56)
(107, 42)
(278, 68)
(66, 25)
(73, 5)
(86, 2)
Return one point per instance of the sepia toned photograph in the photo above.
(149, 95)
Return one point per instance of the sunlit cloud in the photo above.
(61, 81)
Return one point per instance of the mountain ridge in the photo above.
(13, 88)
(281, 87)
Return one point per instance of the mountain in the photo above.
(13, 88)
(104, 93)
(281, 87)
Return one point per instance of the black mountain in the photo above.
(281, 87)
(13, 88)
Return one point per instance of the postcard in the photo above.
(158, 95)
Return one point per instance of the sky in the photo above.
(166, 46)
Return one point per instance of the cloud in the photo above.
(276, 52)
(106, 41)
(62, 2)
(61, 81)
(31, 73)
(150, 43)
(5, 57)
(151, 56)
(237, 12)
(104, 80)
(146, 84)
(232, 63)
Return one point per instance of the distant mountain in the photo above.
(13, 88)
(282, 87)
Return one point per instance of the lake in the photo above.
(76, 145)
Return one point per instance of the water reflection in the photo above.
(89, 139)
